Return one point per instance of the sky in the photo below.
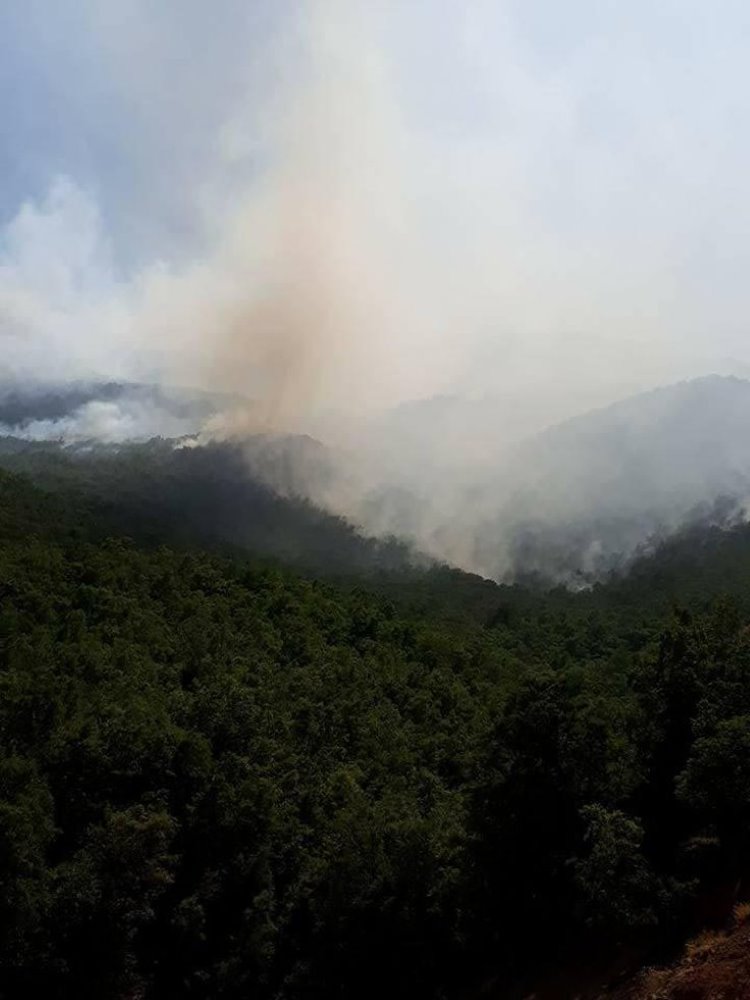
(339, 205)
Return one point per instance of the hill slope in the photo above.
(217, 779)
(584, 496)
(217, 495)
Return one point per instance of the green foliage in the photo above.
(716, 779)
(218, 779)
(617, 889)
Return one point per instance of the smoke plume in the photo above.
(418, 232)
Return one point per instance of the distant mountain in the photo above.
(104, 411)
(587, 494)
(686, 440)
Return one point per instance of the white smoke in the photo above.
(110, 422)
(385, 203)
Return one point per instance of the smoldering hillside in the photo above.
(392, 249)
(105, 412)
(570, 505)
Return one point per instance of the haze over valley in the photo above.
(569, 504)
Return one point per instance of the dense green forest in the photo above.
(200, 496)
(219, 779)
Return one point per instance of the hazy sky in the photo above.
(344, 203)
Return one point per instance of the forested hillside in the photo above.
(207, 496)
(218, 779)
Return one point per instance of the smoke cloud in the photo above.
(346, 207)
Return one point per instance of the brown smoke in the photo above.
(321, 254)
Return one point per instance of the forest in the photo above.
(374, 500)
(221, 778)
